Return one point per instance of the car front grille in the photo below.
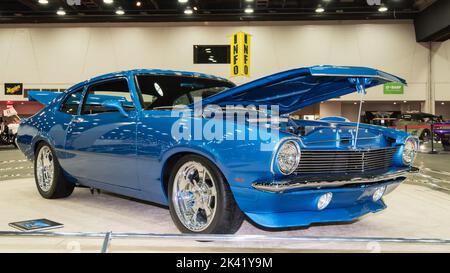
(341, 162)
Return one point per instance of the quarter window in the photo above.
(72, 102)
(107, 90)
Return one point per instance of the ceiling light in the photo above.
(383, 9)
(320, 10)
(108, 1)
(44, 2)
(249, 10)
(404, 101)
(442, 103)
(120, 11)
(249, 0)
(395, 103)
(195, 8)
(61, 12)
(138, 3)
(182, 1)
(188, 10)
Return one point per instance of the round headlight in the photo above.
(410, 150)
(288, 157)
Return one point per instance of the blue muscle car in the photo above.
(131, 133)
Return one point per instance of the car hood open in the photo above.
(294, 89)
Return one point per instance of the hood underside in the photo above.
(297, 88)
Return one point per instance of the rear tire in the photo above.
(48, 174)
(200, 200)
(446, 145)
(15, 141)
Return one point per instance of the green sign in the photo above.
(393, 88)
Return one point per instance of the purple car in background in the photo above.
(442, 131)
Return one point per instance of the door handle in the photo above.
(78, 120)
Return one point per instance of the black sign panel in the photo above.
(211, 54)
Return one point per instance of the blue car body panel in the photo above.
(43, 97)
(129, 155)
(297, 88)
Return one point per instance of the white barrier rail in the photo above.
(109, 236)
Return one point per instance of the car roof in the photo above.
(148, 71)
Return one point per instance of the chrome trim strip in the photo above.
(353, 150)
(288, 185)
(339, 140)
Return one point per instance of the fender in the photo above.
(184, 149)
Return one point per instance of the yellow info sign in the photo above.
(240, 54)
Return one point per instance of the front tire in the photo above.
(200, 200)
(48, 174)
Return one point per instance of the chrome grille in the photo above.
(326, 162)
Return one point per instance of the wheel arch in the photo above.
(173, 158)
(36, 145)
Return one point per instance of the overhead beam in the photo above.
(433, 23)
(175, 17)
(155, 4)
(30, 4)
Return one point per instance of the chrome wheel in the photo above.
(45, 167)
(194, 196)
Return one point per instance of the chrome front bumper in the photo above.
(294, 184)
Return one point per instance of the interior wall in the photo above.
(331, 108)
(443, 108)
(441, 71)
(350, 109)
(23, 108)
(309, 110)
(57, 56)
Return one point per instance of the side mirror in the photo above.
(116, 105)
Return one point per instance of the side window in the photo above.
(72, 102)
(104, 91)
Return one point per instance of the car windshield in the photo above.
(167, 91)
